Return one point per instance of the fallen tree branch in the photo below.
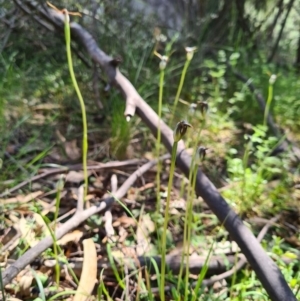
(216, 264)
(79, 217)
(265, 268)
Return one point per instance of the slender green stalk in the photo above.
(105, 291)
(270, 98)
(269, 101)
(148, 285)
(39, 284)
(166, 220)
(245, 164)
(202, 274)
(99, 290)
(188, 227)
(82, 105)
(233, 280)
(157, 272)
(113, 266)
(158, 140)
(59, 295)
(183, 74)
(189, 206)
(60, 186)
(189, 56)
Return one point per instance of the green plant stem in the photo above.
(188, 228)
(60, 186)
(183, 74)
(268, 105)
(158, 140)
(166, 220)
(245, 164)
(114, 268)
(189, 205)
(82, 105)
(202, 274)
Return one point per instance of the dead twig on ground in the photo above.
(79, 217)
(63, 169)
(240, 264)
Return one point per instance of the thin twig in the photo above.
(274, 49)
(78, 218)
(107, 215)
(51, 172)
(241, 263)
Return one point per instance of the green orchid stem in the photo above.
(60, 186)
(158, 140)
(188, 212)
(166, 220)
(268, 105)
(188, 228)
(82, 105)
(182, 78)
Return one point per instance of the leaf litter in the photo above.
(132, 234)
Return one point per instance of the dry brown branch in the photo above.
(78, 218)
(55, 171)
(216, 264)
(265, 268)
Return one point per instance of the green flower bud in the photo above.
(180, 130)
(200, 154)
(190, 52)
(272, 79)
(203, 107)
(163, 62)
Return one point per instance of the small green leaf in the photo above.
(234, 56)
(217, 74)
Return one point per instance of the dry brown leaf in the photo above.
(38, 119)
(22, 198)
(76, 176)
(145, 227)
(72, 151)
(125, 221)
(25, 284)
(46, 106)
(89, 271)
(73, 236)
